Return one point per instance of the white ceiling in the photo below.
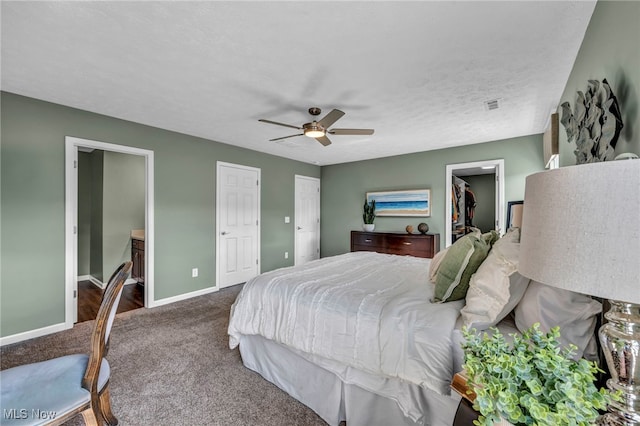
(417, 72)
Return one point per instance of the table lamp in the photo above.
(581, 232)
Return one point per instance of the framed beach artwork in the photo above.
(413, 202)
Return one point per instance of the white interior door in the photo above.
(307, 219)
(238, 225)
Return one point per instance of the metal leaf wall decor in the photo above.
(595, 123)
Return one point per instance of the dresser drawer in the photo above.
(398, 241)
(137, 244)
(367, 239)
(418, 246)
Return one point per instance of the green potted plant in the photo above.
(369, 214)
(533, 381)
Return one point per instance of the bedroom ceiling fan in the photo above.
(320, 128)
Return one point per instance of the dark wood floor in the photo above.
(90, 296)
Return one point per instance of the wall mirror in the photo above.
(514, 214)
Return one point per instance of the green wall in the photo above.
(32, 205)
(123, 206)
(96, 159)
(109, 207)
(610, 50)
(344, 185)
(84, 213)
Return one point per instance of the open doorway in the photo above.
(108, 213)
(110, 230)
(474, 198)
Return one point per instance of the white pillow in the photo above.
(575, 313)
(496, 288)
(435, 264)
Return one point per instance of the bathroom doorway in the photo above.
(111, 214)
(108, 207)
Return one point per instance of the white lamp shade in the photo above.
(581, 229)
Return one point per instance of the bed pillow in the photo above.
(459, 263)
(434, 265)
(575, 313)
(487, 309)
(496, 287)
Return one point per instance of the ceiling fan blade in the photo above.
(279, 124)
(324, 140)
(330, 118)
(351, 131)
(285, 137)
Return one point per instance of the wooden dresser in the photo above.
(418, 245)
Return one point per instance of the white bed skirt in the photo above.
(336, 400)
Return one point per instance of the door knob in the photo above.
(298, 227)
(224, 233)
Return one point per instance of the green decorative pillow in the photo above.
(490, 237)
(462, 260)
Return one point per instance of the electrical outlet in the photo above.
(194, 272)
(286, 254)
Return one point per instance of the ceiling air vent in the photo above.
(492, 104)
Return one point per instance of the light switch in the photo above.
(287, 219)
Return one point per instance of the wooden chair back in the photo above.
(102, 326)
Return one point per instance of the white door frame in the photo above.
(295, 219)
(259, 215)
(71, 219)
(500, 203)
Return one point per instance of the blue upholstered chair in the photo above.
(52, 392)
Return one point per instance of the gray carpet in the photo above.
(172, 365)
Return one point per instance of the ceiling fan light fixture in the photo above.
(313, 130)
(319, 129)
(314, 133)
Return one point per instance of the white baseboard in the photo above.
(19, 337)
(26, 335)
(184, 296)
(93, 280)
(99, 283)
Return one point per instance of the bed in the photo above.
(356, 338)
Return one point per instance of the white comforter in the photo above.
(364, 310)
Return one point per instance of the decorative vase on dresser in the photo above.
(369, 227)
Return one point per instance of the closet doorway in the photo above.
(456, 219)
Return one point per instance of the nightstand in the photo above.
(465, 415)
